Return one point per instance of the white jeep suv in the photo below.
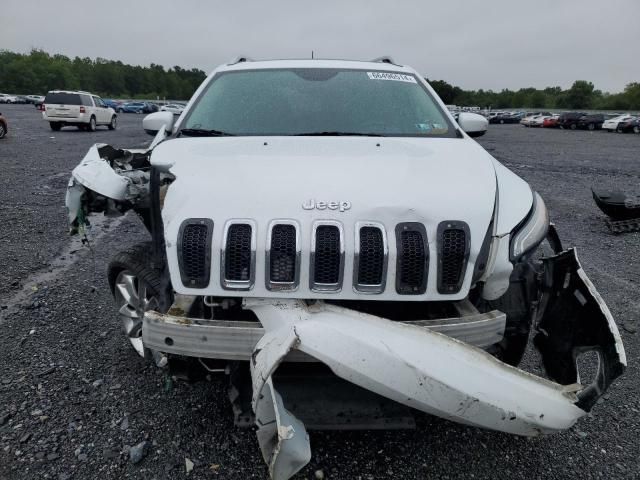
(84, 110)
(328, 235)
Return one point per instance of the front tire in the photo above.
(55, 126)
(573, 126)
(136, 287)
(91, 127)
(114, 123)
(636, 129)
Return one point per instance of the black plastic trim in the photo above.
(201, 282)
(453, 225)
(401, 288)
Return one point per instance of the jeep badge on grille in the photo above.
(312, 204)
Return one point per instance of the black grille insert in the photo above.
(453, 255)
(327, 261)
(237, 253)
(283, 254)
(194, 252)
(413, 259)
(371, 257)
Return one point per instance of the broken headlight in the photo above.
(532, 231)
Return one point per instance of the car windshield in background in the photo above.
(61, 98)
(316, 101)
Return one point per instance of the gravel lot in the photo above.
(74, 396)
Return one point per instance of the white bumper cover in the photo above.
(434, 373)
(411, 365)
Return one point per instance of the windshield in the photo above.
(316, 101)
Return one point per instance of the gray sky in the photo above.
(490, 44)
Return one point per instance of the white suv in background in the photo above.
(84, 110)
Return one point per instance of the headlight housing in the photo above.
(532, 231)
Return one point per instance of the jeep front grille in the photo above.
(284, 266)
(370, 258)
(453, 252)
(194, 252)
(413, 259)
(327, 256)
(238, 256)
(283, 256)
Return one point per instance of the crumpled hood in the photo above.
(386, 180)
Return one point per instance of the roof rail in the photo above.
(239, 59)
(385, 59)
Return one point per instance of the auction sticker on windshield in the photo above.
(398, 77)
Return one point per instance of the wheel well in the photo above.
(112, 274)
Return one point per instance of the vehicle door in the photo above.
(101, 110)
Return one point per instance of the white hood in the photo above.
(385, 180)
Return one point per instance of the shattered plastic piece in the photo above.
(283, 440)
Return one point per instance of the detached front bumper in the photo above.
(420, 367)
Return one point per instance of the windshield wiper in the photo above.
(338, 134)
(203, 132)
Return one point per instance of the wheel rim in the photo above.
(92, 124)
(1, 131)
(113, 122)
(133, 299)
(636, 129)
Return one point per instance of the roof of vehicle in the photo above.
(317, 63)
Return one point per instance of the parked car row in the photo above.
(621, 123)
(7, 98)
(582, 120)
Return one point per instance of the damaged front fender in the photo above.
(112, 181)
(576, 320)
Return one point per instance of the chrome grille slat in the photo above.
(413, 258)
(194, 252)
(370, 258)
(238, 255)
(453, 253)
(327, 256)
(282, 260)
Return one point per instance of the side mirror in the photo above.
(153, 122)
(473, 124)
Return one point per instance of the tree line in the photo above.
(37, 72)
(581, 96)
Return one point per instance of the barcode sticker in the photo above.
(396, 77)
